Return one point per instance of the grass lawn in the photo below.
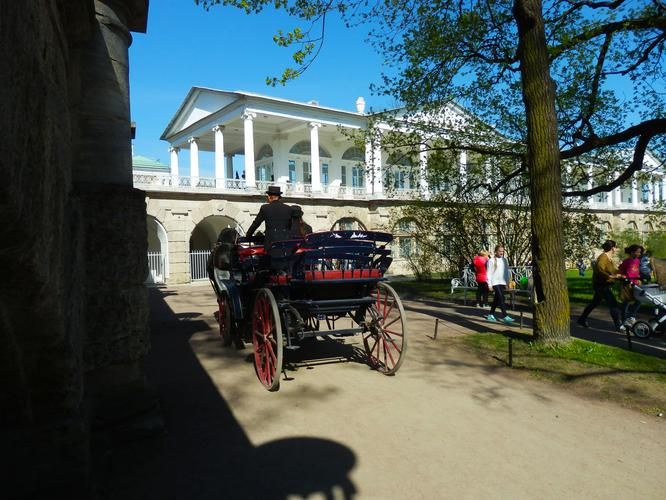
(589, 369)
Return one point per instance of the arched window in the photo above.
(354, 154)
(348, 224)
(266, 151)
(303, 148)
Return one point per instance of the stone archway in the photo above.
(202, 240)
(158, 251)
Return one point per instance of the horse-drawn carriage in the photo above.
(299, 289)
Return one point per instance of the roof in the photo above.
(143, 163)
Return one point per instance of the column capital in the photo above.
(174, 149)
(192, 140)
(314, 125)
(248, 115)
(218, 128)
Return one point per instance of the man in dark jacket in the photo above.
(276, 216)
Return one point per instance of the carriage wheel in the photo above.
(385, 339)
(267, 339)
(224, 319)
(642, 329)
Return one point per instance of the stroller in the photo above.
(655, 295)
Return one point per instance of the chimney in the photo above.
(360, 105)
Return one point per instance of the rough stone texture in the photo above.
(48, 319)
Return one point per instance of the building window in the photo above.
(324, 174)
(348, 224)
(357, 177)
(292, 171)
(307, 173)
(343, 175)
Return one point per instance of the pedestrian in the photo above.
(299, 228)
(276, 215)
(630, 267)
(604, 276)
(580, 264)
(645, 266)
(481, 275)
(499, 276)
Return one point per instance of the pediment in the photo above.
(198, 104)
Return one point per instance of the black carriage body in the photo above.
(322, 277)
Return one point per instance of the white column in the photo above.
(218, 130)
(374, 167)
(590, 199)
(462, 169)
(194, 161)
(314, 157)
(634, 193)
(248, 129)
(423, 171)
(663, 188)
(567, 179)
(657, 191)
(174, 160)
(617, 192)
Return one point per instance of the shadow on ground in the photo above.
(205, 453)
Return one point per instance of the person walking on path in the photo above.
(630, 267)
(481, 276)
(499, 276)
(645, 267)
(603, 277)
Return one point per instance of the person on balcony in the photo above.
(276, 215)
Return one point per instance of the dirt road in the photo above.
(448, 425)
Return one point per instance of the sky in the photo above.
(226, 49)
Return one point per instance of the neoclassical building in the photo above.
(227, 147)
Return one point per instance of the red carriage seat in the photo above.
(341, 274)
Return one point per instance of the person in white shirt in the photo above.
(499, 276)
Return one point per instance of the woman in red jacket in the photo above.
(481, 278)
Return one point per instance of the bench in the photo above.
(467, 281)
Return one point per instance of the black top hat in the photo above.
(274, 191)
(296, 211)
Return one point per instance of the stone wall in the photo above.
(59, 283)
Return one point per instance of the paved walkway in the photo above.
(448, 425)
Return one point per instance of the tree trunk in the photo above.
(551, 312)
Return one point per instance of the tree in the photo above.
(542, 75)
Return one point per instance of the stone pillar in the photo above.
(218, 130)
(634, 193)
(248, 129)
(314, 157)
(650, 194)
(174, 164)
(194, 161)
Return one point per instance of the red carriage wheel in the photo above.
(267, 339)
(385, 338)
(224, 319)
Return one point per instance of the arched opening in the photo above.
(352, 170)
(158, 251)
(202, 240)
(264, 164)
(348, 224)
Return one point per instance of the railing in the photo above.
(198, 260)
(156, 268)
